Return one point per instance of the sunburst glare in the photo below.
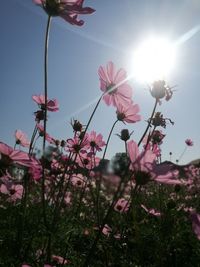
(153, 59)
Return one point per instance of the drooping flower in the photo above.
(189, 142)
(122, 205)
(67, 9)
(114, 85)
(128, 113)
(52, 105)
(21, 138)
(95, 141)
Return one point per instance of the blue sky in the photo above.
(75, 54)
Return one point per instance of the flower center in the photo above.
(111, 89)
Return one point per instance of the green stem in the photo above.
(46, 78)
(149, 123)
(45, 115)
(182, 154)
(109, 139)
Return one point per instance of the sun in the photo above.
(153, 60)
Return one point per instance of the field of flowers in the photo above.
(71, 206)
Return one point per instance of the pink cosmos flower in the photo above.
(21, 138)
(106, 230)
(48, 138)
(16, 156)
(151, 211)
(122, 205)
(59, 259)
(95, 141)
(113, 84)
(195, 217)
(189, 142)
(78, 180)
(76, 146)
(145, 168)
(88, 160)
(67, 9)
(128, 113)
(52, 105)
(13, 191)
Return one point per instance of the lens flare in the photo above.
(153, 60)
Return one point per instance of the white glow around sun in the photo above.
(153, 60)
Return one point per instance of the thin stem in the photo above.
(109, 139)
(182, 154)
(90, 119)
(45, 114)
(91, 251)
(46, 78)
(149, 123)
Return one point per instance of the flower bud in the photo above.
(158, 89)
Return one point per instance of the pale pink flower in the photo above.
(189, 142)
(16, 156)
(114, 85)
(78, 180)
(21, 138)
(195, 217)
(95, 141)
(52, 105)
(151, 211)
(106, 230)
(128, 113)
(122, 205)
(13, 191)
(59, 259)
(26, 265)
(145, 169)
(67, 9)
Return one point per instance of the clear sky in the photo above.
(75, 54)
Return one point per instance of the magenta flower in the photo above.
(114, 85)
(76, 146)
(189, 142)
(95, 141)
(67, 9)
(122, 205)
(195, 217)
(21, 138)
(128, 113)
(52, 105)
